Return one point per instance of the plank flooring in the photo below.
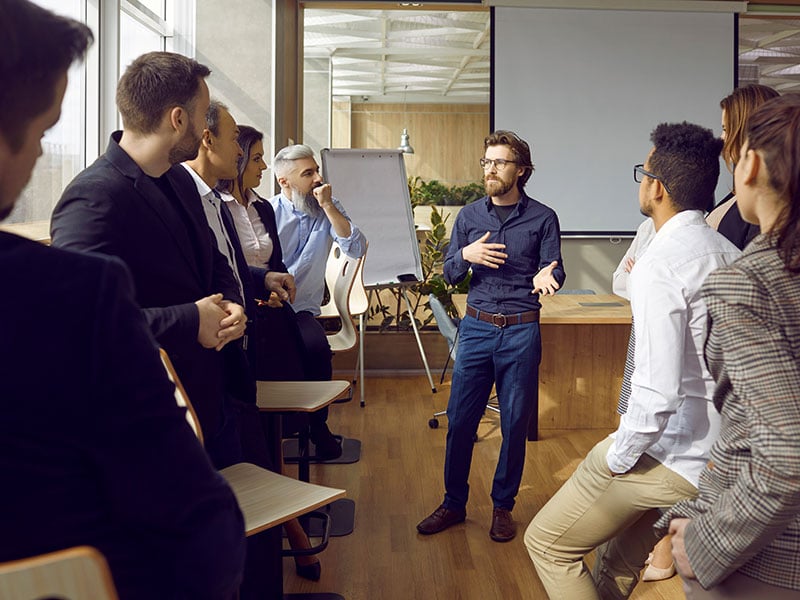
(398, 482)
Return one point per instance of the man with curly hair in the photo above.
(655, 457)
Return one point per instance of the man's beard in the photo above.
(185, 149)
(305, 203)
(496, 187)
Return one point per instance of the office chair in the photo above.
(449, 329)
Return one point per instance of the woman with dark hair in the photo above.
(736, 108)
(740, 537)
(254, 218)
(275, 349)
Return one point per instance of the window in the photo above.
(88, 111)
(64, 145)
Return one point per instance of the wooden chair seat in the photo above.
(69, 574)
(268, 499)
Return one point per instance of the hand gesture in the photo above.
(543, 282)
(481, 253)
(282, 285)
(628, 266)
(323, 195)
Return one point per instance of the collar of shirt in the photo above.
(211, 206)
(202, 187)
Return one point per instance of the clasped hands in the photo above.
(491, 255)
(221, 321)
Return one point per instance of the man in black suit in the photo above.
(93, 448)
(135, 202)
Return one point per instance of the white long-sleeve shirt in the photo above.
(621, 276)
(671, 416)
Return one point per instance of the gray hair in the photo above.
(213, 113)
(283, 159)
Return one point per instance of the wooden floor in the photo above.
(398, 482)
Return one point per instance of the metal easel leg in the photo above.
(419, 341)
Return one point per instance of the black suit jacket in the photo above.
(275, 346)
(113, 208)
(93, 448)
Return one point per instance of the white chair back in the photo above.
(358, 302)
(345, 269)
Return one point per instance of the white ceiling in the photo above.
(396, 55)
(769, 53)
(443, 56)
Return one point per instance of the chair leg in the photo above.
(444, 370)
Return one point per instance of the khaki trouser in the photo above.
(594, 508)
(738, 587)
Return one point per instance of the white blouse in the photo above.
(256, 243)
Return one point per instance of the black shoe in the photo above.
(326, 446)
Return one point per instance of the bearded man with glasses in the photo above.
(512, 245)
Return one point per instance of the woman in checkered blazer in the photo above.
(740, 537)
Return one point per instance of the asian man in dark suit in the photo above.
(93, 447)
(135, 202)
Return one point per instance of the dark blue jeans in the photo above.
(508, 357)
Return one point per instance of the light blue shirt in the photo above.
(306, 242)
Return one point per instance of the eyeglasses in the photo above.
(638, 172)
(498, 163)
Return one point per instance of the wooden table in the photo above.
(584, 341)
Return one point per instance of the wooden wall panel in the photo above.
(447, 138)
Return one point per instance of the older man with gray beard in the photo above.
(309, 220)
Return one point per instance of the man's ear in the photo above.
(178, 118)
(658, 190)
(208, 139)
(282, 181)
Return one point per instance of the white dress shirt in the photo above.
(211, 206)
(644, 234)
(256, 244)
(671, 416)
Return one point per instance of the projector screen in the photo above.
(586, 87)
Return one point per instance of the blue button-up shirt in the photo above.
(306, 242)
(533, 240)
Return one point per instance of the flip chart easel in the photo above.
(373, 188)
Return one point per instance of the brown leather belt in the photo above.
(501, 320)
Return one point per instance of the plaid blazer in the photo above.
(746, 516)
